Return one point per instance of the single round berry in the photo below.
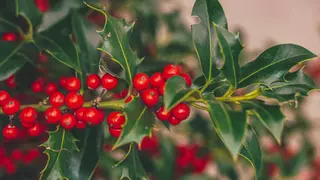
(157, 79)
(81, 125)
(74, 100)
(43, 58)
(129, 99)
(10, 132)
(92, 116)
(174, 121)
(52, 115)
(4, 95)
(79, 113)
(37, 86)
(170, 70)
(9, 36)
(17, 154)
(141, 81)
(181, 111)
(42, 5)
(109, 82)
(56, 99)
(73, 84)
(11, 106)
(68, 121)
(187, 78)
(35, 130)
(51, 88)
(116, 120)
(115, 132)
(150, 97)
(11, 81)
(28, 115)
(93, 81)
(63, 81)
(161, 89)
(162, 115)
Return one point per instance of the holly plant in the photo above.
(81, 91)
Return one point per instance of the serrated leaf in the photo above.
(273, 64)
(230, 126)
(293, 84)
(176, 92)
(230, 48)
(270, 116)
(132, 168)
(57, 42)
(29, 10)
(60, 145)
(209, 12)
(139, 123)
(10, 67)
(116, 34)
(251, 151)
(88, 54)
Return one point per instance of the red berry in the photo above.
(51, 88)
(35, 130)
(162, 115)
(16, 154)
(157, 79)
(28, 115)
(42, 5)
(4, 95)
(109, 82)
(170, 70)
(115, 132)
(73, 84)
(174, 121)
(116, 120)
(272, 170)
(11, 82)
(9, 36)
(27, 125)
(10, 131)
(9, 166)
(181, 111)
(149, 143)
(37, 86)
(56, 99)
(43, 57)
(11, 106)
(53, 115)
(81, 125)
(129, 99)
(187, 78)
(68, 121)
(150, 97)
(63, 81)
(93, 81)
(141, 81)
(74, 100)
(162, 89)
(93, 116)
(79, 113)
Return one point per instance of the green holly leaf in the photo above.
(176, 92)
(132, 168)
(273, 64)
(293, 84)
(116, 34)
(209, 12)
(251, 151)
(59, 147)
(29, 11)
(230, 126)
(14, 64)
(139, 123)
(88, 54)
(196, 176)
(230, 48)
(270, 116)
(57, 42)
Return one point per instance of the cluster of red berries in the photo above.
(189, 159)
(9, 161)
